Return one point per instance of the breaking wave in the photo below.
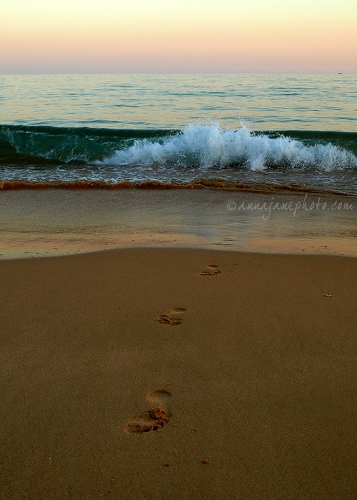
(197, 145)
(208, 146)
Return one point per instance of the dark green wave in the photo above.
(20, 144)
(344, 140)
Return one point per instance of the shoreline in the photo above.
(214, 184)
(255, 371)
(60, 222)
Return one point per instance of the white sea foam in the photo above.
(208, 145)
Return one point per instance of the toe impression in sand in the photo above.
(156, 418)
(171, 318)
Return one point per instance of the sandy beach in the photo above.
(152, 374)
(178, 250)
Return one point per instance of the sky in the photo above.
(163, 36)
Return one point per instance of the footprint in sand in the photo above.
(157, 417)
(211, 270)
(171, 318)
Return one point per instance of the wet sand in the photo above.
(61, 222)
(178, 373)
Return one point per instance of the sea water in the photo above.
(240, 131)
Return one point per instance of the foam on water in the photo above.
(208, 145)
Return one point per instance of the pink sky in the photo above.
(155, 36)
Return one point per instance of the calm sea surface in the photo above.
(266, 130)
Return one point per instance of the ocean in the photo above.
(225, 131)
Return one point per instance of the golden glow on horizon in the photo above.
(153, 35)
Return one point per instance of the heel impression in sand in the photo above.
(211, 270)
